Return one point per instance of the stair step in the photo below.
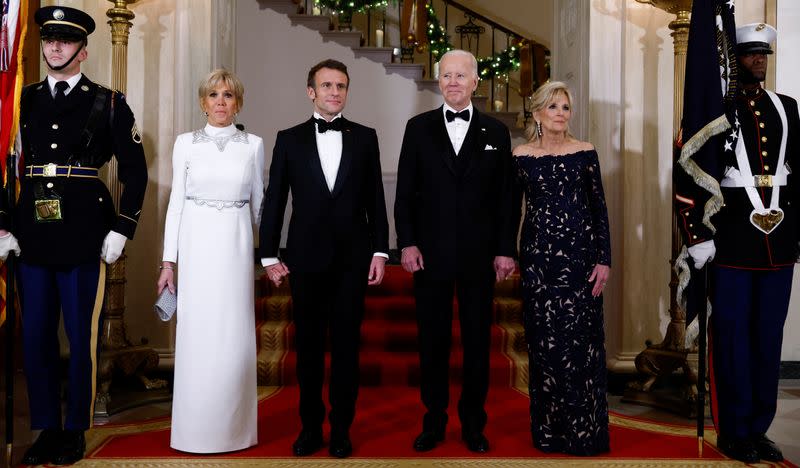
(508, 118)
(480, 102)
(275, 336)
(429, 84)
(286, 7)
(399, 308)
(350, 39)
(412, 71)
(389, 336)
(274, 308)
(380, 369)
(376, 54)
(314, 22)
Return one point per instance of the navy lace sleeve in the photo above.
(597, 204)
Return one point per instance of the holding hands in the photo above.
(503, 267)
(411, 259)
(277, 272)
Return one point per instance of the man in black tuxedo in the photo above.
(337, 244)
(454, 221)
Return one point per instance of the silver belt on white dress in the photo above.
(218, 204)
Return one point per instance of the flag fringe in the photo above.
(699, 176)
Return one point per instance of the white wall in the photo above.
(786, 62)
(617, 57)
(273, 58)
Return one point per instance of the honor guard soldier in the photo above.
(754, 250)
(67, 227)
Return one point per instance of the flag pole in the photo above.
(11, 183)
(702, 316)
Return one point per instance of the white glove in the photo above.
(112, 247)
(7, 244)
(702, 253)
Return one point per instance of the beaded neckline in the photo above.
(200, 136)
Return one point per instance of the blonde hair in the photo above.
(543, 96)
(221, 75)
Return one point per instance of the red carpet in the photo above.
(389, 418)
(389, 412)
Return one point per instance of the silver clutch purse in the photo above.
(166, 304)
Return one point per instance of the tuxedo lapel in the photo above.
(347, 157)
(474, 142)
(312, 153)
(441, 140)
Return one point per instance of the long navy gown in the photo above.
(564, 235)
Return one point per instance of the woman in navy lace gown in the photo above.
(565, 260)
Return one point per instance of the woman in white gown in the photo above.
(217, 189)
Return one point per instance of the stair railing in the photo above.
(469, 35)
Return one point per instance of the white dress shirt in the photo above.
(71, 81)
(329, 147)
(457, 129)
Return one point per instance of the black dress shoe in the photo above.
(307, 443)
(766, 449)
(44, 449)
(743, 450)
(427, 440)
(340, 446)
(476, 442)
(73, 444)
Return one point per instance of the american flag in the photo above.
(709, 129)
(12, 36)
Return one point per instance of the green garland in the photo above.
(352, 6)
(437, 35)
(500, 63)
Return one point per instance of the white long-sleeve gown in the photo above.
(209, 233)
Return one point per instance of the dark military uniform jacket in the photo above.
(739, 244)
(59, 135)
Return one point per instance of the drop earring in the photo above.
(539, 129)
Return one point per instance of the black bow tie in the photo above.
(323, 125)
(463, 115)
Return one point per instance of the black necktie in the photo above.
(334, 125)
(61, 86)
(463, 115)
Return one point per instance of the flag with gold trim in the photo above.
(13, 20)
(708, 121)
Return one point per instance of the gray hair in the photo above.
(463, 53)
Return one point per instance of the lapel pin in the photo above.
(38, 87)
(85, 88)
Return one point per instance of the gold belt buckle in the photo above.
(763, 180)
(49, 170)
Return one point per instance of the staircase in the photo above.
(381, 55)
(389, 336)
